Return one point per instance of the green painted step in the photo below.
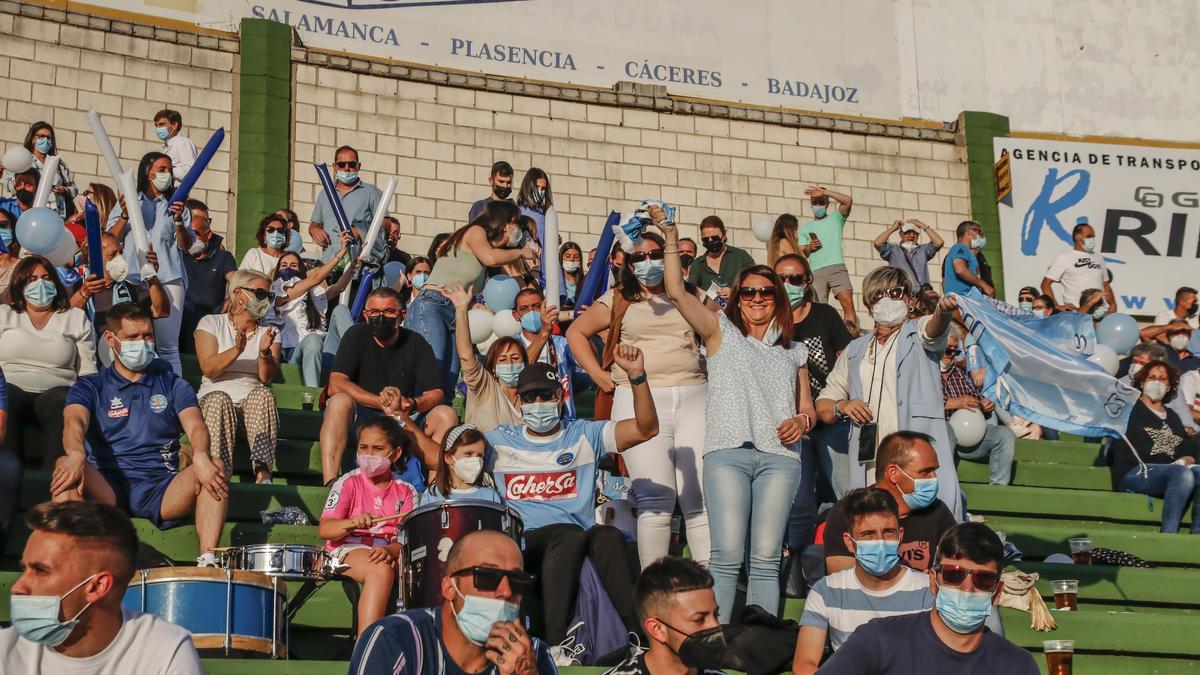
(1038, 538)
(1096, 628)
(1042, 474)
(1060, 452)
(1169, 587)
(286, 395)
(288, 373)
(1012, 500)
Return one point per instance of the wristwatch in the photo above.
(633, 381)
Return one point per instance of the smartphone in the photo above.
(867, 437)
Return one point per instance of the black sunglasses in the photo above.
(708, 239)
(796, 279)
(894, 293)
(953, 351)
(346, 165)
(539, 395)
(748, 292)
(641, 256)
(488, 579)
(259, 293)
(955, 575)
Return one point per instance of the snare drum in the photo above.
(229, 613)
(296, 562)
(430, 531)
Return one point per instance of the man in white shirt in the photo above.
(66, 607)
(1184, 310)
(182, 151)
(1077, 270)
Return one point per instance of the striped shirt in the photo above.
(839, 603)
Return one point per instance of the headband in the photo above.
(454, 433)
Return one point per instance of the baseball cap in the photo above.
(538, 376)
(909, 227)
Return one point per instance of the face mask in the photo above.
(541, 416)
(508, 373)
(276, 240)
(516, 237)
(649, 272)
(256, 308)
(1180, 341)
(1026, 306)
(468, 468)
(382, 327)
(532, 321)
(925, 490)
(963, 611)
(713, 245)
(571, 266)
(163, 133)
(372, 465)
(502, 193)
(772, 334)
(889, 312)
(795, 294)
(196, 248)
(347, 177)
(118, 269)
(162, 180)
(1134, 368)
(35, 617)
(40, 293)
(978, 243)
(6, 235)
(136, 354)
(479, 614)
(1042, 312)
(539, 197)
(1089, 245)
(909, 246)
(686, 260)
(1100, 312)
(704, 649)
(1191, 312)
(946, 365)
(418, 280)
(25, 197)
(287, 274)
(878, 556)
(43, 145)
(819, 212)
(1155, 390)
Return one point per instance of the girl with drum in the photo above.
(362, 514)
(460, 472)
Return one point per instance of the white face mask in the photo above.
(1134, 368)
(889, 312)
(1089, 245)
(468, 468)
(571, 266)
(1155, 390)
(909, 246)
(162, 180)
(1179, 341)
(118, 269)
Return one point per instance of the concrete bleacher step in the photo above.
(1058, 452)
(1055, 503)
(1042, 474)
(1039, 537)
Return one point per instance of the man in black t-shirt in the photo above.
(209, 267)
(383, 368)
(950, 638)
(906, 466)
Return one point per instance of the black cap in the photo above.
(538, 377)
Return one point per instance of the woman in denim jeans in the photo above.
(759, 407)
(491, 240)
(1159, 459)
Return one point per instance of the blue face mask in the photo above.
(136, 354)
(35, 617)
(541, 416)
(978, 243)
(40, 293)
(819, 212)
(43, 145)
(532, 321)
(276, 240)
(347, 177)
(649, 272)
(795, 294)
(6, 237)
(1100, 312)
(287, 274)
(877, 556)
(163, 133)
(508, 373)
(1027, 306)
(925, 490)
(419, 280)
(962, 611)
(479, 614)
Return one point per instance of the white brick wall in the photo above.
(54, 72)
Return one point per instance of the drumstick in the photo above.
(380, 519)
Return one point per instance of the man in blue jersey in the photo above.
(547, 469)
(121, 438)
(476, 630)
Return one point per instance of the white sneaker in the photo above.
(207, 560)
(566, 653)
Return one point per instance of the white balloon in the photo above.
(17, 159)
(969, 427)
(1106, 358)
(64, 252)
(505, 324)
(481, 325)
(762, 229)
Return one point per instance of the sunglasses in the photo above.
(955, 575)
(489, 578)
(953, 351)
(539, 395)
(748, 292)
(1026, 298)
(796, 279)
(275, 229)
(895, 293)
(258, 293)
(706, 240)
(642, 256)
(346, 165)
(389, 313)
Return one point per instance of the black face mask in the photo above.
(382, 327)
(25, 197)
(703, 649)
(713, 245)
(686, 260)
(502, 193)
(1192, 311)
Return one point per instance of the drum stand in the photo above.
(295, 604)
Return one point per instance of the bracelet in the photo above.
(670, 250)
(640, 379)
(265, 354)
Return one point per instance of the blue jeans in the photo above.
(431, 315)
(740, 483)
(310, 357)
(339, 322)
(998, 446)
(1175, 483)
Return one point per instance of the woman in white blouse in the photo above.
(272, 238)
(45, 345)
(301, 298)
(239, 356)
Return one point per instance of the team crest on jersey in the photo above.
(565, 458)
(158, 403)
(117, 409)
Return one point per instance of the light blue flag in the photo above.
(1032, 374)
(1071, 331)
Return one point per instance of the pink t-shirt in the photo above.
(355, 494)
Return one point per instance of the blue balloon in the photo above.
(39, 230)
(500, 292)
(1118, 332)
(393, 271)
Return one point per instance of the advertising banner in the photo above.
(1143, 202)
